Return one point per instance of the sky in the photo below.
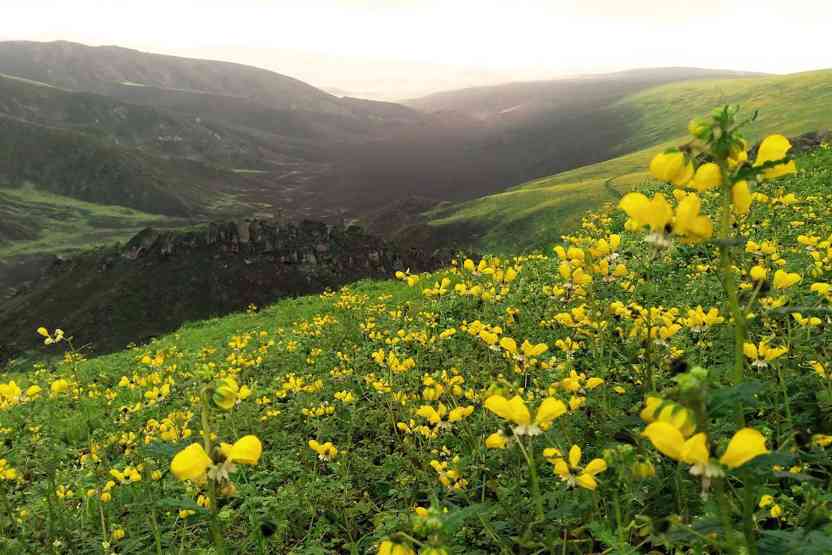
(397, 46)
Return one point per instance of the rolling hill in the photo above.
(181, 140)
(535, 213)
(357, 155)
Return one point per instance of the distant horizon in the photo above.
(478, 77)
(399, 49)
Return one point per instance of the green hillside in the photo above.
(33, 221)
(382, 418)
(534, 214)
(791, 104)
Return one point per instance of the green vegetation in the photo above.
(33, 221)
(534, 214)
(791, 104)
(382, 417)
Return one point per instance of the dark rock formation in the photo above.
(160, 279)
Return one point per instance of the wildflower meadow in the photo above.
(660, 381)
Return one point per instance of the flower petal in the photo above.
(695, 450)
(586, 481)
(744, 446)
(666, 438)
(549, 409)
(246, 450)
(595, 466)
(575, 456)
(190, 463)
(518, 411)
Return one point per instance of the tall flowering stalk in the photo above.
(716, 158)
(209, 464)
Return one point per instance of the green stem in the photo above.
(728, 279)
(533, 479)
(216, 533)
(677, 483)
(619, 525)
(748, 514)
(724, 514)
(787, 406)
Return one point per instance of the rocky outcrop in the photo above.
(810, 141)
(315, 244)
(160, 279)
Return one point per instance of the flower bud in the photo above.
(225, 394)
(643, 470)
(699, 128)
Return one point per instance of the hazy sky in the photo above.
(498, 38)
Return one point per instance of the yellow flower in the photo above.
(758, 273)
(669, 441)
(225, 394)
(673, 167)
(118, 534)
(822, 289)
(707, 177)
(516, 411)
(59, 386)
(496, 441)
(326, 451)
(531, 350)
(746, 444)
(818, 367)
(671, 413)
(246, 450)
(190, 463)
(698, 128)
(765, 501)
(822, 440)
(761, 355)
(388, 547)
(573, 474)
(655, 213)
(459, 413)
(738, 154)
(509, 345)
(772, 149)
(643, 470)
(43, 331)
(784, 280)
(741, 197)
(689, 223)
(810, 321)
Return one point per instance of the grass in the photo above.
(54, 224)
(790, 104)
(374, 367)
(530, 216)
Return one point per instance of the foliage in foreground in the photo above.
(539, 404)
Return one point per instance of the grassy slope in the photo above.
(349, 505)
(534, 214)
(56, 224)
